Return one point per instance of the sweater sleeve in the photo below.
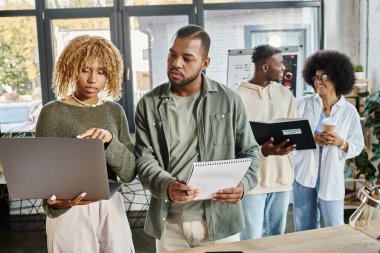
(120, 151)
(45, 123)
(293, 108)
(246, 147)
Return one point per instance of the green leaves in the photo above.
(348, 172)
(363, 94)
(358, 68)
(12, 68)
(363, 163)
(375, 152)
(364, 166)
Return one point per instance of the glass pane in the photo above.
(150, 40)
(17, 4)
(20, 85)
(277, 38)
(237, 1)
(67, 29)
(248, 28)
(78, 3)
(156, 2)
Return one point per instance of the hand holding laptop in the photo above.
(43, 171)
(67, 203)
(93, 133)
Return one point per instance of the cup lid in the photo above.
(329, 121)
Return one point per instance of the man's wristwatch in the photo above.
(343, 144)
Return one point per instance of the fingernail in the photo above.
(78, 136)
(84, 194)
(53, 197)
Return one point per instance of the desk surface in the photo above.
(343, 239)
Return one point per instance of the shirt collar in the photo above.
(340, 102)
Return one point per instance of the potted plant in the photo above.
(359, 72)
(366, 163)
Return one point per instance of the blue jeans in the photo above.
(264, 214)
(307, 209)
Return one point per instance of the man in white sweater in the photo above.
(265, 207)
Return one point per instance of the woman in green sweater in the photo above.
(86, 79)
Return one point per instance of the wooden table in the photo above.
(343, 239)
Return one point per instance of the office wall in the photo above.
(351, 26)
(373, 60)
(342, 27)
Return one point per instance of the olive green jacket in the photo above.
(223, 133)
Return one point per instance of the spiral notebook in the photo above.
(212, 176)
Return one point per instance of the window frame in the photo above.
(119, 15)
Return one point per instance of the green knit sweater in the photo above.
(58, 119)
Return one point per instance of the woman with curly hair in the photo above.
(86, 78)
(318, 188)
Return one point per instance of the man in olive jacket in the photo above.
(189, 119)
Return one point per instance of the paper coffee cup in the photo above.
(329, 125)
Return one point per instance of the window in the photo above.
(53, 4)
(66, 29)
(156, 2)
(252, 1)
(150, 39)
(16, 5)
(20, 85)
(246, 28)
(19, 117)
(142, 30)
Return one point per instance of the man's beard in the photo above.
(186, 81)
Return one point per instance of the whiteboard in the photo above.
(241, 68)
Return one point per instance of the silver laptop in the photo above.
(43, 166)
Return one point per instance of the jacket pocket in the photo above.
(222, 129)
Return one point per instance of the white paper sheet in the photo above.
(212, 176)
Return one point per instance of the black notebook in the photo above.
(296, 130)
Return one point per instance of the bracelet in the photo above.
(343, 144)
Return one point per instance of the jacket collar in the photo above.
(208, 86)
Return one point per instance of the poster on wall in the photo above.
(240, 68)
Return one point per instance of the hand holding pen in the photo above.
(180, 192)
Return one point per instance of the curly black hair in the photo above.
(195, 32)
(336, 65)
(263, 51)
